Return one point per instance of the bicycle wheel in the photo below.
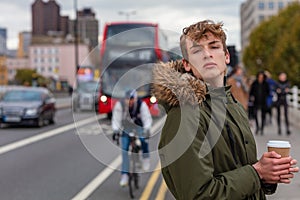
(136, 180)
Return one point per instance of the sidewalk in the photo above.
(291, 191)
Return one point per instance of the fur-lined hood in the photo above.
(174, 86)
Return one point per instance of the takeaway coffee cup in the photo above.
(279, 146)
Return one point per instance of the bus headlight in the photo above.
(153, 99)
(103, 98)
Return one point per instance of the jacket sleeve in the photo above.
(116, 121)
(146, 116)
(190, 174)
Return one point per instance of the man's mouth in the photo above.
(209, 65)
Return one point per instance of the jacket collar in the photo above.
(175, 86)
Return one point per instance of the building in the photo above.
(15, 63)
(56, 59)
(87, 27)
(252, 12)
(3, 70)
(3, 39)
(46, 18)
(24, 42)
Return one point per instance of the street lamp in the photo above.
(127, 13)
(76, 40)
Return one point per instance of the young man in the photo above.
(131, 113)
(207, 150)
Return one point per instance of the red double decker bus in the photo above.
(129, 50)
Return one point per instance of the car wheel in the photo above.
(2, 125)
(40, 121)
(51, 120)
(109, 115)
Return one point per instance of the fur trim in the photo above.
(175, 86)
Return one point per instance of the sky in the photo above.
(172, 16)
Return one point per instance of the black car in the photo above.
(27, 106)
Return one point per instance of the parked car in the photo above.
(27, 106)
(85, 96)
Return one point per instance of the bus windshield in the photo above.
(131, 35)
(116, 81)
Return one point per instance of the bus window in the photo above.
(128, 53)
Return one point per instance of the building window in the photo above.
(280, 5)
(261, 5)
(261, 18)
(49, 69)
(271, 5)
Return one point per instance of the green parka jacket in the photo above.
(206, 147)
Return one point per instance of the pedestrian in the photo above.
(239, 87)
(206, 148)
(282, 89)
(270, 98)
(259, 92)
(131, 114)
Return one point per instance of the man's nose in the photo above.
(206, 52)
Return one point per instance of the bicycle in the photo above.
(135, 147)
(134, 161)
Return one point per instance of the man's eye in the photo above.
(196, 51)
(215, 47)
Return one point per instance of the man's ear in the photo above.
(186, 65)
(227, 57)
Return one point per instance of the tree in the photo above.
(29, 76)
(275, 45)
(24, 76)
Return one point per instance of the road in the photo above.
(71, 159)
(75, 159)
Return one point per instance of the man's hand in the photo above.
(115, 137)
(272, 168)
(286, 178)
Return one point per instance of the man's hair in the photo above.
(197, 31)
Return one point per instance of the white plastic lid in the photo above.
(279, 144)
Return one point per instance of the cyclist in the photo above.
(128, 114)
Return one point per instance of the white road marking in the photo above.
(94, 129)
(36, 138)
(98, 180)
(102, 176)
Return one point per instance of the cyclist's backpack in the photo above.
(132, 116)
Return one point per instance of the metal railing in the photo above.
(294, 97)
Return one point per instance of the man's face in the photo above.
(129, 102)
(207, 58)
(282, 77)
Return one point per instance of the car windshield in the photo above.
(22, 95)
(89, 87)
